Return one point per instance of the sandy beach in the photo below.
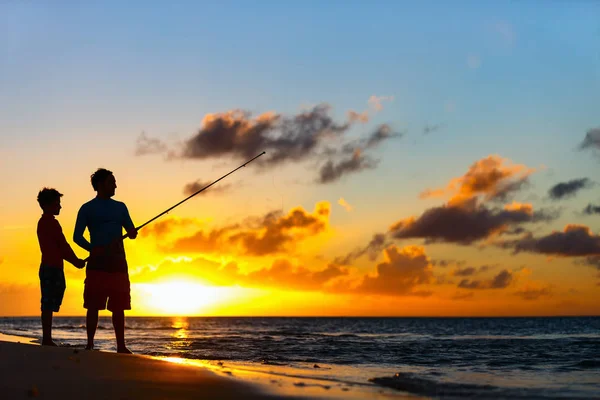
(28, 370)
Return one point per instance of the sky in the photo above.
(430, 159)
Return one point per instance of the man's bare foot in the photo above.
(49, 343)
(124, 350)
(89, 347)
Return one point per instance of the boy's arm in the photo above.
(66, 250)
(80, 226)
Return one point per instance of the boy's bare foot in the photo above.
(124, 350)
(49, 343)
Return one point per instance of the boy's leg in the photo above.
(91, 322)
(47, 328)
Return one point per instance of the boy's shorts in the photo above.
(104, 290)
(53, 286)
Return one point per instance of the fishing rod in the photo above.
(190, 196)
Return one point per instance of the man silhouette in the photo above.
(107, 277)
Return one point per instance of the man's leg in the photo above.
(118, 319)
(47, 328)
(91, 322)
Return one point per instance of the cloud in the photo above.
(273, 233)
(500, 281)
(376, 101)
(591, 140)
(146, 145)
(592, 261)
(533, 292)
(469, 271)
(168, 225)
(463, 296)
(506, 32)
(568, 189)
(431, 128)
(400, 273)
(375, 246)
(345, 204)
(193, 187)
(473, 61)
(591, 209)
(464, 224)
(574, 241)
(332, 171)
(493, 178)
(283, 275)
(307, 136)
(354, 116)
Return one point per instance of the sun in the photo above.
(180, 297)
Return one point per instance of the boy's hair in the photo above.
(100, 176)
(47, 196)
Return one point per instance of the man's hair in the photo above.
(100, 176)
(47, 196)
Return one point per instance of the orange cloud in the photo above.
(515, 206)
(167, 225)
(400, 273)
(354, 116)
(492, 177)
(345, 204)
(273, 233)
(533, 291)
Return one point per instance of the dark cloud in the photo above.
(195, 186)
(574, 241)
(592, 139)
(431, 128)
(283, 138)
(568, 189)
(331, 171)
(464, 225)
(500, 281)
(382, 133)
(373, 249)
(531, 294)
(401, 272)
(469, 271)
(302, 137)
(592, 261)
(146, 145)
(591, 209)
(447, 263)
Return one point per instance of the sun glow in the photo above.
(181, 297)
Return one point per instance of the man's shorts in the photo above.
(104, 290)
(53, 286)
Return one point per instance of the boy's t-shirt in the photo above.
(105, 220)
(53, 244)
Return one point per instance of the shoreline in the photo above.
(29, 370)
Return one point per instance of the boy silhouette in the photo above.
(55, 249)
(107, 276)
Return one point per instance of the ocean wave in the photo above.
(414, 384)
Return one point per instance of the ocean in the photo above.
(453, 358)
